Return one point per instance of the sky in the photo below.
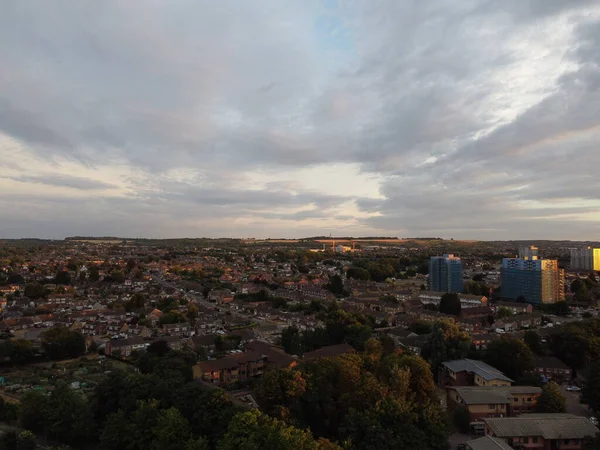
(464, 119)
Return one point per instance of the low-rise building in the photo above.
(466, 300)
(494, 401)
(487, 443)
(469, 372)
(553, 369)
(231, 369)
(125, 346)
(542, 431)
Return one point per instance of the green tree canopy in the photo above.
(450, 304)
(590, 394)
(254, 430)
(60, 343)
(511, 356)
(551, 400)
(63, 277)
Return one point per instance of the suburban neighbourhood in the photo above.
(509, 371)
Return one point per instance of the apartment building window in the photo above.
(534, 440)
(566, 441)
(525, 440)
(492, 406)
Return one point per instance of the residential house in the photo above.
(174, 342)
(231, 369)
(476, 312)
(19, 323)
(469, 372)
(60, 299)
(542, 431)
(177, 329)
(553, 369)
(466, 300)
(414, 344)
(481, 340)
(154, 316)
(274, 357)
(515, 307)
(493, 401)
(329, 351)
(519, 322)
(125, 346)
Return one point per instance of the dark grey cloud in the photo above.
(477, 118)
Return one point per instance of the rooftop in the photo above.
(477, 395)
(480, 368)
(549, 426)
(488, 443)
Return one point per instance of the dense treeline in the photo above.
(375, 400)
(340, 327)
(56, 343)
(157, 408)
(380, 269)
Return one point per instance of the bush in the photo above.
(462, 419)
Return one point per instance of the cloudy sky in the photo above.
(475, 119)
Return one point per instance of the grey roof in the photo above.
(549, 426)
(488, 443)
(478, 395)
(482, 369)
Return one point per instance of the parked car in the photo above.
(573, 388)
(594, 421)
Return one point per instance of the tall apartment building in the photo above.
(585, 259)
(445, 274)
(537, 280)
(529, 253)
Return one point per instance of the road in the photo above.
(574, 406)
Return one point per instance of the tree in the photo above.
(33, 410)
(9, 440)
(450, 304)
(576, 347)
(94, 274)
(358, 273)
(336, 286)
(503, 312)
(534, 342)
(510, 356)
(63, 277)
(279, 389)
(60, 342)
(35, 290)
(68, 416)
(19, 351)
(446, 342)
(116, 431)
(551, 400)
(197, 444)
(15, 278)
(9, 412)
(590, 394)
(291, 341)
(118, 276)
(26, 440)
(172, 431)
(462, 419)
(254, 430)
